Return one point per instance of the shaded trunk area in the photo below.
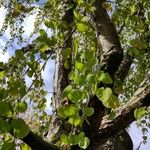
(122, 141)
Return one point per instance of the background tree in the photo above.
(101, 80)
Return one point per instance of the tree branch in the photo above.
(34, 141)
(111, 57)
(61, 80)
(112, 53)
(61, 72)
(125, 115)
(37, 143)
(124, 67)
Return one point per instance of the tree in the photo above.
(101, 81)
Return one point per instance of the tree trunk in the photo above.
(122, 141)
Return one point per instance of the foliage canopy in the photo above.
(83, 45)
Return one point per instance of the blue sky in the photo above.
(49, 71)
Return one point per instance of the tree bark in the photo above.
(61, 80)
(109, 40)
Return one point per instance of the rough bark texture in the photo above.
(61, 72)
(124, 67)
(109, 40)
(61, 75)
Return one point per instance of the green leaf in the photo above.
(49, 24)
(91, 78)
(42, 32)
(66, 91)
(84, 143)
(105, 78)
(112, 102)
(133, 9)
(91, 62)
(99, 74)
(2, 74)
(79, 66)
(88, 111)
(76, 14)
(21, 107)
(64, 139)
(139, 113)
(76, 121)
(81, 136)
(4, 126)
(80, 2)
(108, 100)
(66, 64)
(82, 27)
(71, 121)
(118, 87)
(71, 110)
(76, 46)
(107, 6)
(144, 138)
(106, 94)
(8, 146)
(3, 93)
(94, 88)
(75, 96)
(43, 56)
(68, 111)
(18, 53)
(62, 112)
(25, 147)
(85, 19)
(20, 129)
(79, 80)
(73, 139)
(51, 42)
(6, 109)
(30, 73)
(43, 48)
(99, 92)
(72, 74)
(66, 53)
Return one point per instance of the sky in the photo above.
(134, 132)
